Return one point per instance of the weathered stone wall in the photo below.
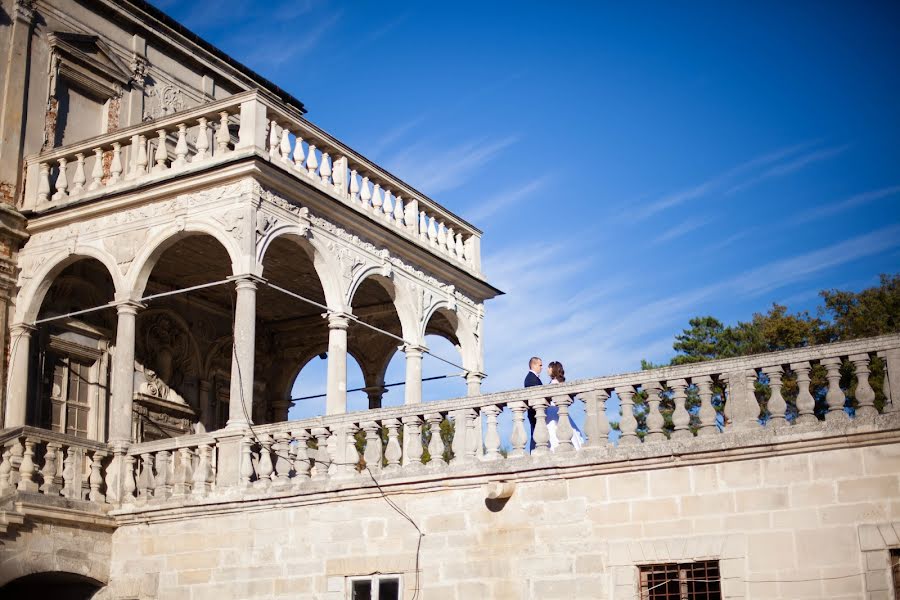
(781, 519)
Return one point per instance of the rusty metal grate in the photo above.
(681, 581)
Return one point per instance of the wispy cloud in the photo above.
(786, 168)
(448, 168)
(277, 50)
(679, 230)
(494, 204)
(820, 212)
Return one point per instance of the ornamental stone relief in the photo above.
(125, 246)
(163, 99)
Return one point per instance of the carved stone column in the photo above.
(240, 403)
(336, 397)
(19, 354)
(473, 383)
(14, 96)
(413, 389)
(122, 396)
(375, 394)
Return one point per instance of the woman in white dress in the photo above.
(558, 375)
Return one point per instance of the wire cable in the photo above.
(386, 385)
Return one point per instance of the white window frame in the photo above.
(374, 579)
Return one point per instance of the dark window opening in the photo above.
(681, 581)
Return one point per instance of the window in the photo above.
(895, 571)
(70, 395)
(681, 581)
(375, 587)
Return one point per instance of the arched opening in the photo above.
(68, 386)
(311, 380)
(174, 387)
(59, 586)
(291, 333)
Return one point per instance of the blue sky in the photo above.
(631, 164)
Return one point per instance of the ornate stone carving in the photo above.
(233, 222)
(163, 99)
(165, 357)
(139, 69)
(125, 246)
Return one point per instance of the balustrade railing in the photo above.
(671, 409)
(250, 123)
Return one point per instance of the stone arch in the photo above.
(146, 260)
(462, 334)
(31, 296)
(62, 585)
(323, 263)
(402, 304)
(305, 359)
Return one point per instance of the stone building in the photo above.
(178, 241)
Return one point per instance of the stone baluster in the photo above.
(325, 169)
(865, 395)
(393, 454)
(284, 146)
(450, 242)
(115, 166)
(312, 162)
(492, 433)
(96, 478)
(163, 487)
(436, 443)
(540, 436)
(372, 454)
(246, 472)
(299, 156)
(51, 481)
(377, 200)
(432, 231)
(423, 226)
(62, 182)
(300, 454)
(459, 246)
(43, 191)
(473, 434)
(655, 421)
(202, 141)
(71, 486)
(181, 147)
(5, 471)
(354, 185)
(161, 155)
(348, 456)
(322, 456)
(146, 480)
(203, 474)
(17, 454)
(265, 468)
(518, 439)
(79, 179)
(707, 412)
(365, 194)
(184, 476)
(282, 447)
(141, 160)
(411, 216)
(339, 175)
(564, 429)
(274, 141)
(128, 483)
(27, 468)
(399, 211)
(596, 425)
(806, 404)
(627, 424)
(412, 441)
(777, 406)
(97, 170)
(681, 418)
(835, 395)
(441, 236)
(223, 136)
(388, 207)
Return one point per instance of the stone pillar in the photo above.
(207, 416)
(14, 99)
(123, 373)
(473, 382)
(336, 397)
(240, 402)
(891, 379)
(413, 391)
(376, 395)
(19, 355)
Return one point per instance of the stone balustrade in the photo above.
(247, 124)
(457, 436)
(43, 462)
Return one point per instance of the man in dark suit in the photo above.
(534, 372)
(533, 378)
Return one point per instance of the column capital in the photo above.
(475, 376)
(247, 281)
(129, 307)
(25, 10)
(338, 320)
(20, 329)
(413, 350)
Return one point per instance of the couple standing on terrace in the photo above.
(557, 375)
